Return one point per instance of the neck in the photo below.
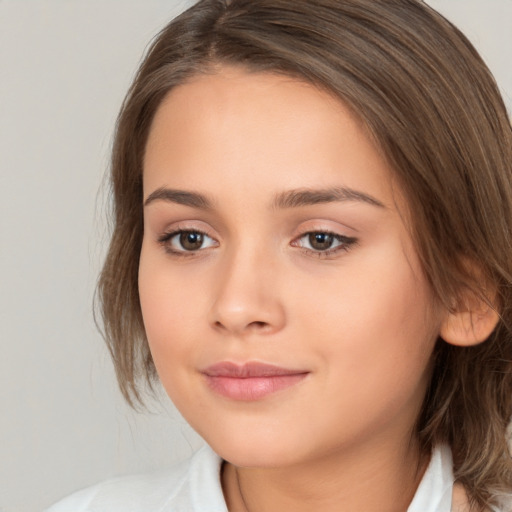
(380, 478)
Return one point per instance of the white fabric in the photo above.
(194, 486)
(434, 494)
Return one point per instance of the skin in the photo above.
(359, 320)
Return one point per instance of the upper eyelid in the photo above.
(337, 236)
(183, 229)
(180, 226)
(326, 225)
(185, 226)
(171, 233)
(302, 225)
(190, 229)
(327, 231)
(332, 232)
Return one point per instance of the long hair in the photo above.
(432, 106)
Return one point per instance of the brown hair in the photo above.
(434, 109)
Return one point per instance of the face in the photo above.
(282, 297)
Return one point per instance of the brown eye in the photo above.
(324, 243)
(320, 241)
(186, 242)
(191, 240)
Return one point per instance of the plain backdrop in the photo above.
(64, 68)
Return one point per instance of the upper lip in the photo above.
(248, 370)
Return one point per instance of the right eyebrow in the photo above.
(192, 199)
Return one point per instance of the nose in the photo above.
(246, 298)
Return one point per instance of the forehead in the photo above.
(259, 130)
(211, 102)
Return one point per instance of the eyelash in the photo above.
(166, 238)
(346, 243)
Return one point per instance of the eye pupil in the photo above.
(191, 240)
(320, 241)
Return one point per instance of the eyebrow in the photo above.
(284, 200)
(308, 197)
(192, 199)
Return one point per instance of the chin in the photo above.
(255, 450)
(247, 458)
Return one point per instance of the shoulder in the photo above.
(193, 485)
(505, 503)
(461, 502)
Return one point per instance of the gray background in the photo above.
(64, 68)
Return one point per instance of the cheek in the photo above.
(378, 291)
(170, 312)
(170, 308)
(374, 323)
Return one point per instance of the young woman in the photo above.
(312, 250)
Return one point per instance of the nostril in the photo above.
(258, 325)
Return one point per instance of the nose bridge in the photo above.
(247, 296)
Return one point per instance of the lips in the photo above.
(250, 381)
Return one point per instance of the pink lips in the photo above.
(251, 381)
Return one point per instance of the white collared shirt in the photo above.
(194, 486)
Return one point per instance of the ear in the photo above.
(470, 322)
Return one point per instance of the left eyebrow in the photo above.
(308, 197)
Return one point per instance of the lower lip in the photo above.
(252, 388)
